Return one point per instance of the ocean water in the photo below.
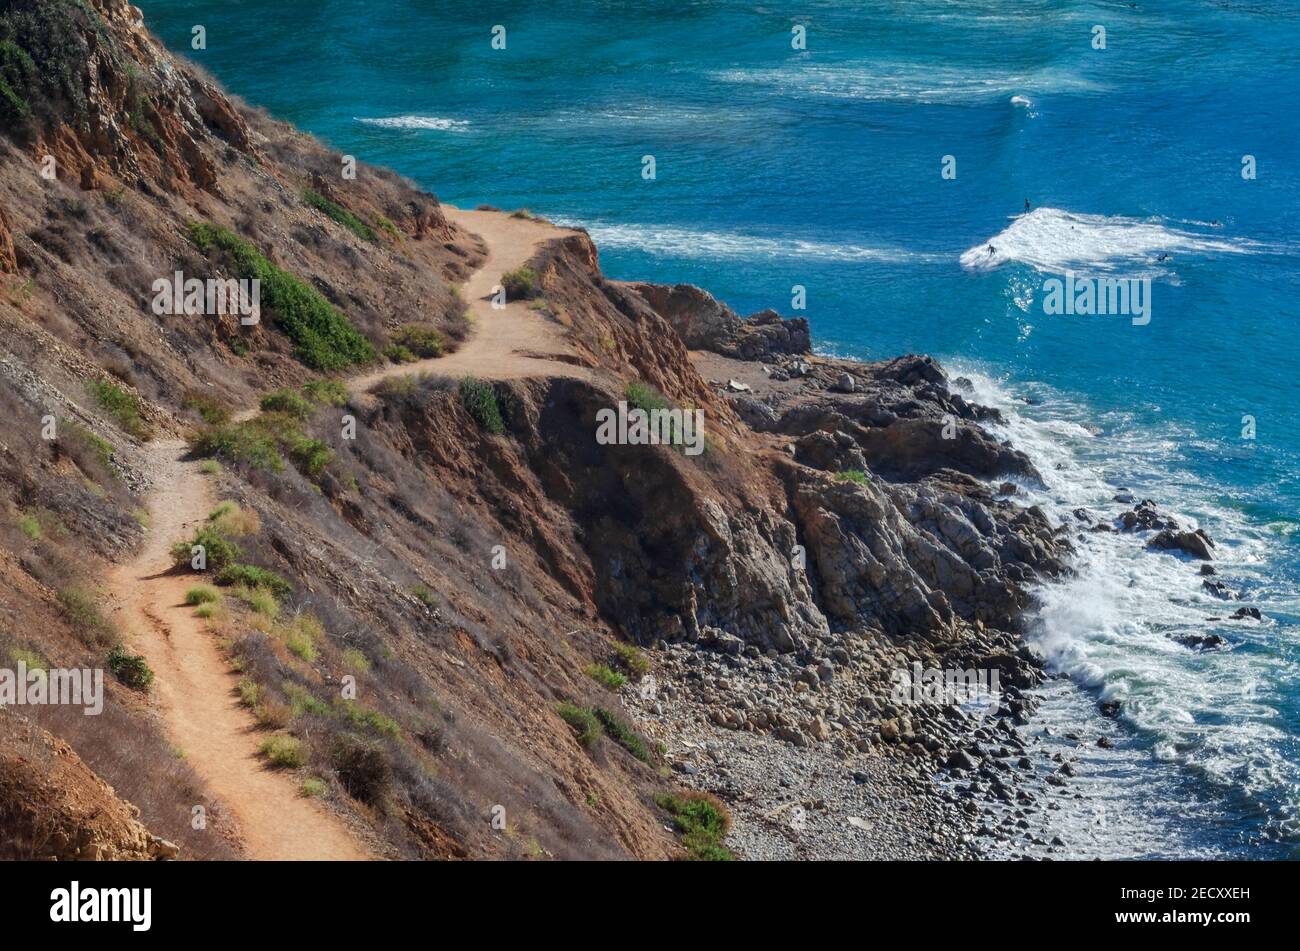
(821, 167)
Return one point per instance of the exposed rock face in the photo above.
(918, 557)
(108, 101)
(1197, 543)
(905, 422)
(52, 806)
(705, 323)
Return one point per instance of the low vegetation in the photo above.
(130, 668)
(631, 661)
(703, 822)
(622, 733)
(284, 752)
(336, 212)
(605, 676)
(290, 402)
(522, 283)
(123, 406)
(416, 342)
(583, 720)
(323, 337)
(201, 594)
(209, 409)
(480, 400)
(852, 475)
(82, 612)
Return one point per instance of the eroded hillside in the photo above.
(431, 606)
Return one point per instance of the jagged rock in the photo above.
(1243, 613)
(1197, 543)
(1220, 590)
(1202, 642)
(705, 323)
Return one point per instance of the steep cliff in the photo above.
(440, 600)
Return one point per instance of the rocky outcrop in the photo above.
(53, 806)
(904, 420)
(1197, 543)
(108, 103)
(705, 323)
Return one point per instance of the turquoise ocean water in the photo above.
(821, 167)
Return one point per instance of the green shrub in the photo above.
(252, 576)
(249, 692)
(210, 409)
(210, 467)
(425, 596)
(313, 788)
(623, 734)
(399, 354)
(302, 700)
(260, 600)
(326, 392)
(421, 340)
(852, 475)
(370, 719)
(324, 338)
(521, 284)
(604, 676)
(33, 659)
(703, 822)
(245, 443)
(289, 402)
(259, 442)
(480, 400)
(355, 661)
(583, 721)
(219, 551)
(645, 397)
(284, 752)
(311, 456)
(81, 439)
(122, 405)
(131, 669)
(201, 594)
(337, 212)
(633, 662)
(30, 526)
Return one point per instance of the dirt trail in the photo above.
(195, 688)
(509, 343)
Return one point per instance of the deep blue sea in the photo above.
(821, 167)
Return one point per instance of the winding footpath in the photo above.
(195, 690)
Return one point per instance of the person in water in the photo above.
(1026, 206)
(991, 250)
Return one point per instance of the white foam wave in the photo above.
(417, 122)
(667, 241)
(1112, 627)
(906, 82)
(1052, 241)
